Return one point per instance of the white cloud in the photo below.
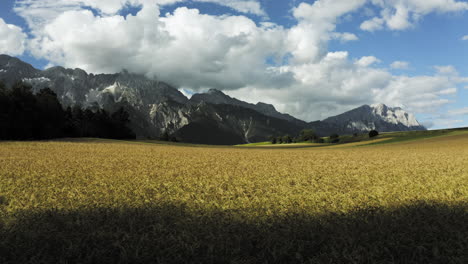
(446, 123)
(187, 92)
(446, 69)
(400, 65)
(448, 91)
(344, 37)
(461, 111)
(12, 39)
(367, 61)
(373, 24)
(184, 48)
(403, 14)
(335, 84)
(307, 41)
(243, 6)
(465, 37)
(38, 13)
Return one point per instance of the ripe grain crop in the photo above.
(111, 201)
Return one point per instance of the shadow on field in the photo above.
(419, 233)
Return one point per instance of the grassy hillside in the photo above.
(133, 202)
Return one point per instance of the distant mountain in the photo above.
(232, 124)
(156, 107)
(214, 96)
(379, 117)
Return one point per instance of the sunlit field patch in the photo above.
(110, 201)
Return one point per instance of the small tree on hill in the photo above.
(373, 133)
(273, 140)
(334, 138)
(319, 140)
(307, 135)
(165, 136)
(279, 140)
(287, 139)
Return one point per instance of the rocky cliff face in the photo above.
(214, 96)
(379, 117)
(156, 107)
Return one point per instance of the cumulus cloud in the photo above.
(336, 84)
(444, 122)
(449, 91)
(243, 6)
(38, 13)
(344, 37)
(197, 51)
(373, 24)
(367, 61)
(461, 111)
(307, 41)
(403, 14)
(12, 39)
(185, 48)
(400, 65)
(446, 69)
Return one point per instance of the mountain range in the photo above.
(156, 107)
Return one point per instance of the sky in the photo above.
(311, 59)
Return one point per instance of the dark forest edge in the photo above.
(28, 116)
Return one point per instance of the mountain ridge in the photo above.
(155, 107)
(374, 117)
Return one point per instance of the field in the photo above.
(289, 145)
(94, 201)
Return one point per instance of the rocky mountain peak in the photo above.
(12, 62)
(266, 108)
(215, 92)
(56, 70)
(213, 96)
(376, 116)
(13, 69)
(379, 109)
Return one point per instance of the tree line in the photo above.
(309, 135)
(306, 135)
(25, 115)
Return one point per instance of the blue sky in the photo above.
(330, 55)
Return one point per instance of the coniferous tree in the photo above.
(373, 133)
(50, 115)
(25, 115)
(307, 135)
(287, 139)
(165, 136)
(4, 112)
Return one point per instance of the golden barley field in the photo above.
(94, 201)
